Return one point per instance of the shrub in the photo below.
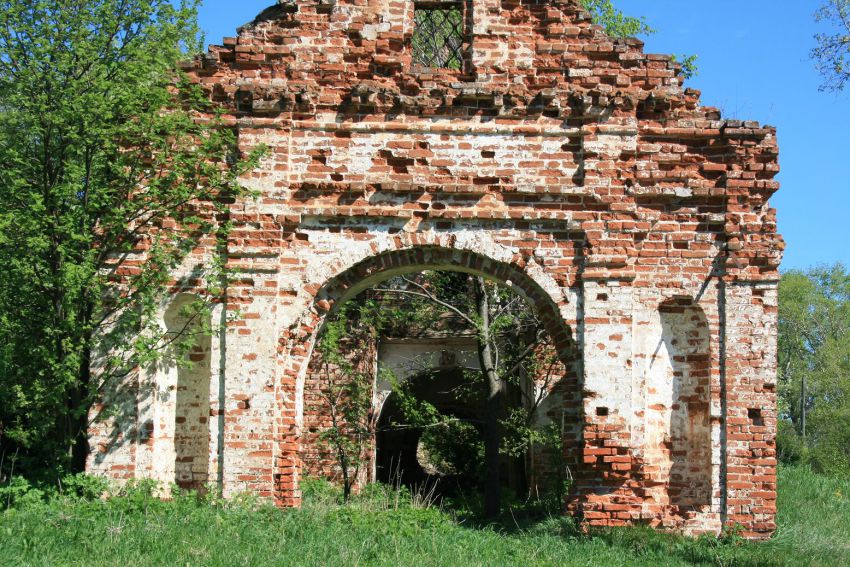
(320, 491)
(19, 493)
(453, 448)
(829, 445)
(84, 487)
(790, 447)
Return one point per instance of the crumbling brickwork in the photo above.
(571, 166)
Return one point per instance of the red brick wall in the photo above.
(574, 166)
(323, 381)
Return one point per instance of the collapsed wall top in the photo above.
(516, 58)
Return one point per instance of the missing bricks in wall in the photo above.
(146, 432)
(244, 100)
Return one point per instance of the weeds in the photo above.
(385, 526)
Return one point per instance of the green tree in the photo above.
(509, 338)
(814, 363)
(832, 52)
(348, 387)
(99, 161)
(615, 22)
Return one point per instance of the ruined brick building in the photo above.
(525, 145)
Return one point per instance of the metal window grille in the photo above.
(438, 35)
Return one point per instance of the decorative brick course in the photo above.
(572, 166)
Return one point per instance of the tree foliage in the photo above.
(814, 367)
(615, 22)
(101, 157)
(512, 354)
(832, 52)
(619, 25)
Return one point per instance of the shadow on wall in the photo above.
(685, 339)
(192, 400)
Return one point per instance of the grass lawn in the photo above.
(814, 520)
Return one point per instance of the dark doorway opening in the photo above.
(444, 459)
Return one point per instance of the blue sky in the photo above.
(753, 64)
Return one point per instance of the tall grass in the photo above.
(814, 516)
(389, 527)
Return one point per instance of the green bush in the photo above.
(19, 493)
(83, 486)
(320, 491)
(790, 447)
(381, 495)
(827, 448)
(829, 444)
(454, 448)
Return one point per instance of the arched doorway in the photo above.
(551, 307)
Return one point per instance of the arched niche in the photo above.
(678, 429)
(190, 374)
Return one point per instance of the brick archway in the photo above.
(556, 309)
